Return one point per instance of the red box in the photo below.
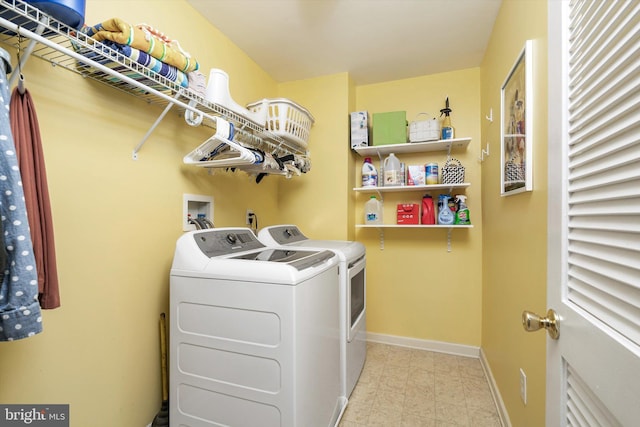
(408, 213)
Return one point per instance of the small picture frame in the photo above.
(516, 137)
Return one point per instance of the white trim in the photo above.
(495, 392)
(557, 228)
(437, 346)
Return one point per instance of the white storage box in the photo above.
(424, 130)
(286, 119)
(359, 129)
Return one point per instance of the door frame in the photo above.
(556, 212)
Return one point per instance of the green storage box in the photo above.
(390, 128)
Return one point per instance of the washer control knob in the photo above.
(232, 238)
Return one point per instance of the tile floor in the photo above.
(417, 388)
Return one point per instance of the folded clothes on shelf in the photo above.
(147, 40)
(143, 45)
(165, 70)
(114, 62)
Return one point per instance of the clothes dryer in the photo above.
(352, 294)
(255, 338)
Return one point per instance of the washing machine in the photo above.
(352, 279)
(254, 333)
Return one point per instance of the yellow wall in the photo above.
(116, 222)
(415, 288)
(514, 240)
(318, 202)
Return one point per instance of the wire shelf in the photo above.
(32, 32)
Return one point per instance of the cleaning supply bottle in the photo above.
(373, 211)
(445, 216)
(369, 174)
(428, 214)
(462, 214)
(447, 129)
(392, 170)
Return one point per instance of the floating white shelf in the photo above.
(412, 226)
(414, 147)
(403, 188)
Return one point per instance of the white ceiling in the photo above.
(373, 40)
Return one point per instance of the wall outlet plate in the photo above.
(523, 386)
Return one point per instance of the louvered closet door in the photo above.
(593, 369)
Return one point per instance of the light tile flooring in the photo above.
(417, 388)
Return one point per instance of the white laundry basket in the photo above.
(286, 119)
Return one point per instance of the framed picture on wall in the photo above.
(516, 107)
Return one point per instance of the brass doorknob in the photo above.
(532, 322)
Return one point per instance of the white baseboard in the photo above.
(497, 398)
(438, 346)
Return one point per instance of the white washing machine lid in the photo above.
(290, 235)
(236, 254)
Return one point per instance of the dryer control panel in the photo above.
(286, 234)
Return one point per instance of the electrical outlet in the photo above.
(523, 386)
(249, 218)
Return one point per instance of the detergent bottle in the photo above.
(392, 171)
(462, 214)
(447, 129)
(369, 174)
(428, 214)
(373, 211)
(445, 216)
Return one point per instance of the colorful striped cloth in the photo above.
(168, 71)
(114, 61)
(145, 39)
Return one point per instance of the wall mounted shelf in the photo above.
(414, 147)
(32, 32)
(382, 227)
(412, 226)
(403, 188)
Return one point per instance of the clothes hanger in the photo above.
(21, 87)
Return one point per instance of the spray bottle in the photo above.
(445, 216)
(447, 129)
(462, 214)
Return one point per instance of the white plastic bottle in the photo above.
(392, 170)
(373, 211)
(369, 174)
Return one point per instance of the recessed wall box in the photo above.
(194, 206)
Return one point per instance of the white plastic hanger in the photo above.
(234, 155)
